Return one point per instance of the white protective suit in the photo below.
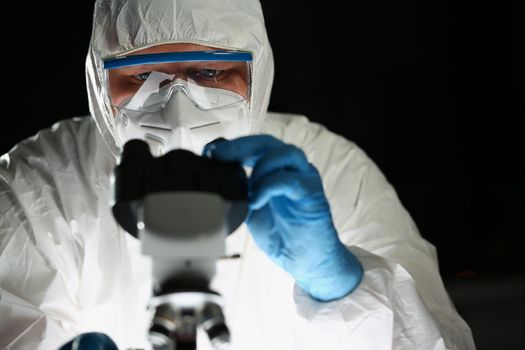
(67, 268)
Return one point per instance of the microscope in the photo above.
(181, 207)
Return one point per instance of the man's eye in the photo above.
(142, 76)
(206, 73)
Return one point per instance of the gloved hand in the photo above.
(90, 341)
(289, 215)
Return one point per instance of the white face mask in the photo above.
(181, 124)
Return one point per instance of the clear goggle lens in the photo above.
(211, 79)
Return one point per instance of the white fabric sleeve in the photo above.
(24, 326)
(401, 302)
(26, 278)
(66, 267)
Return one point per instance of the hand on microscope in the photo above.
(289, 215)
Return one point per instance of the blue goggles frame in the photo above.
(183, 56)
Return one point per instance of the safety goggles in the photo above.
(211, 79)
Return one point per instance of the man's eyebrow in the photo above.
(137, 69)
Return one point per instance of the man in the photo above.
(329, 258)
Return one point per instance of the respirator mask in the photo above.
(180, 100)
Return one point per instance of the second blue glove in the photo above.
(90, 341)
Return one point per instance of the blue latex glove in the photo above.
(290, 217)
(90, 341)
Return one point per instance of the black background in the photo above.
(431, 90)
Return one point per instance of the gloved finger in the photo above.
(264, 232)
(291, 184)
(286, 157)
(246, 149)
(91, 341)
